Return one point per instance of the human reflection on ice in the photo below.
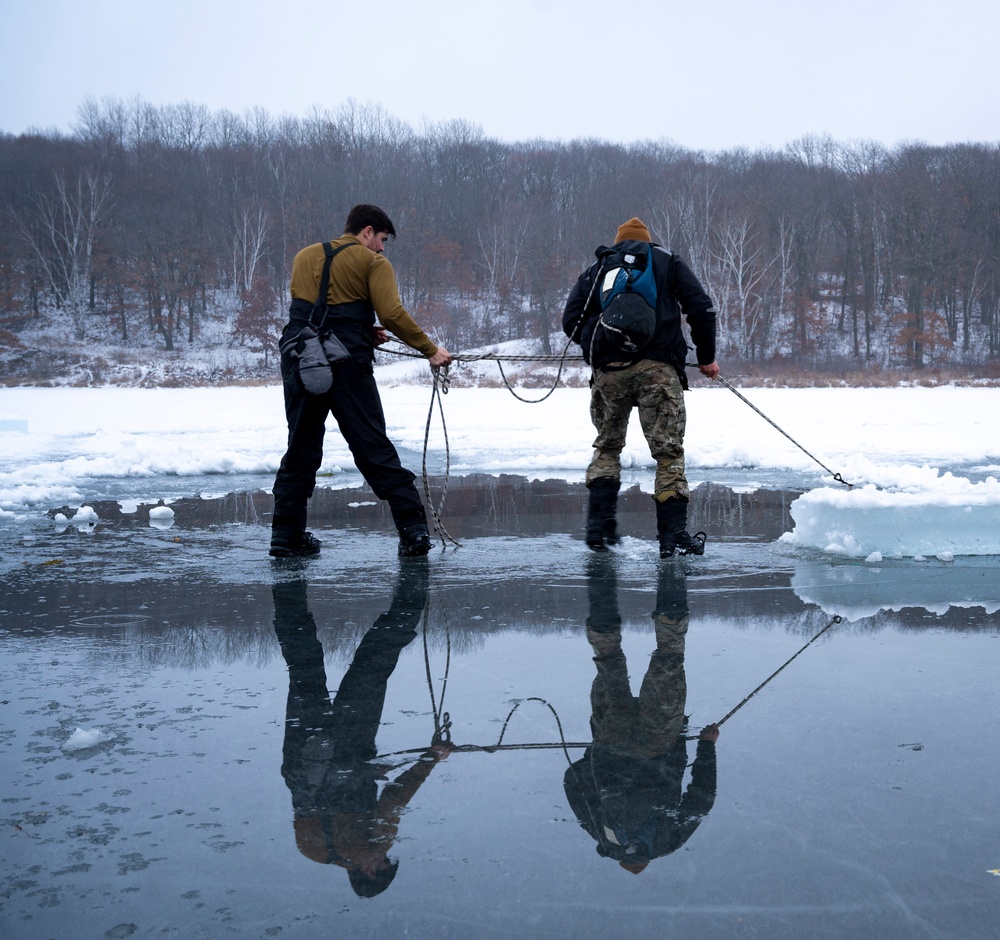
(329, 749)
(627, 789)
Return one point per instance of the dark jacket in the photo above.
(677, 291)
(633, 807)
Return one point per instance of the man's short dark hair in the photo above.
(365, 214)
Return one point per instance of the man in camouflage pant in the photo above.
(659, 397)
(652, 380)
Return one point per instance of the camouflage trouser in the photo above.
(655, 389)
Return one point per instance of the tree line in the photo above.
(145, 221)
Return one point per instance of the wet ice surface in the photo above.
(174, 763)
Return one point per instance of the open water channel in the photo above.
(513, 738)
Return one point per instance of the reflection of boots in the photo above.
(602, 526)
(670, 618)
(671, 528)
(604, 620)
(671, 594)
(410, 594)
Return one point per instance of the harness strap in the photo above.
(324, 283)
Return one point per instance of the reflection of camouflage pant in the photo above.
(648, 724)
(655, 389)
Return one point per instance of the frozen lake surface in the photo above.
(200, 741)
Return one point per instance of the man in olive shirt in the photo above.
(362, 284)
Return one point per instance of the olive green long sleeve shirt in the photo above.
(359, 274)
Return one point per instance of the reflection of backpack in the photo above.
(627, 297)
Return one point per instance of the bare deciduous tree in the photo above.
(61, 234)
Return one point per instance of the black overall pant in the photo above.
(354, 403)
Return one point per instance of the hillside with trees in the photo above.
(165, 235)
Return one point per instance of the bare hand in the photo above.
(380, 335)
(441, 749)
(710, 733)
(441, 358)
(710, 371)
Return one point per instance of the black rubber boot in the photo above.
(289, 538)
(414, 538)
(671, 529)
(293, 544)
(602, 524)
(414, 541)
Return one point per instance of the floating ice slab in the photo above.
(948, 518)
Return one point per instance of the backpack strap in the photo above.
(598, 268)
(324, 283)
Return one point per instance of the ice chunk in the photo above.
(950, 516)
(161, 512)
(161, 517)
(82, 740)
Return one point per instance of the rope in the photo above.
(490, 748)
(562, 737)
(440, 386)
(733, 711)
(477, 357)
(562, 362)
(562, 743)
(562, 359)
(491, 357)
(836, 476)
(441, 382)
(442, 720)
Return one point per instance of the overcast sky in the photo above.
(705, 75)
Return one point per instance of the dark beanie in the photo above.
(632, 229)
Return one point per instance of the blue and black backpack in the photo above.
(626, 296)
